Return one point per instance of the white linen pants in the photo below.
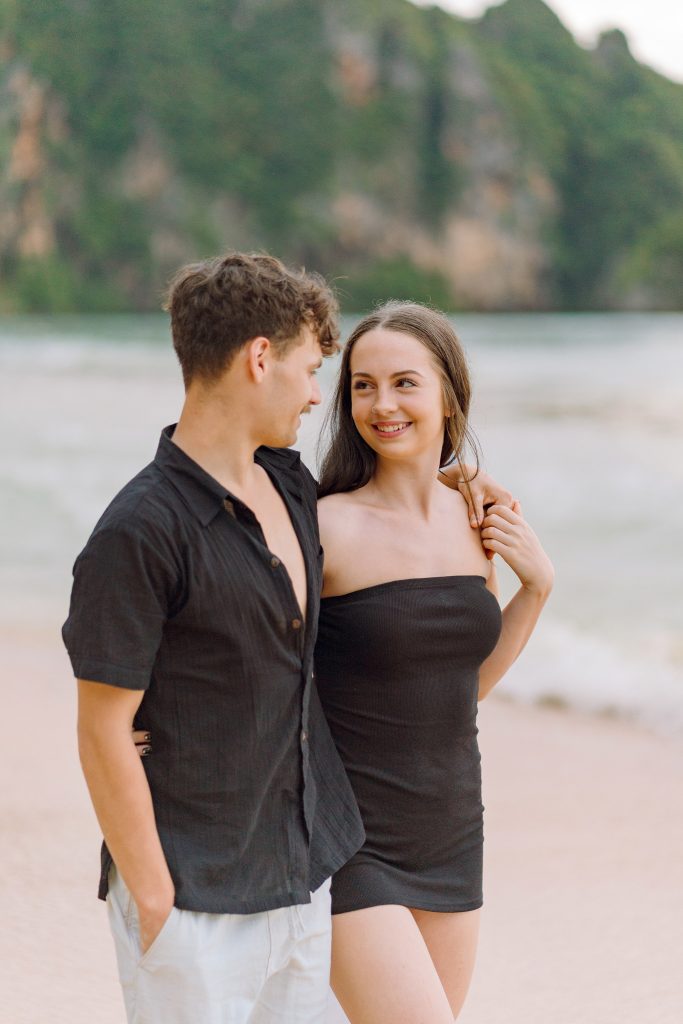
(225, 968)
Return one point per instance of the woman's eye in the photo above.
(361, 385)
(406, 381)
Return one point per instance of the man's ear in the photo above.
(259, 353)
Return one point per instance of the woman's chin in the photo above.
(404, 449)
(395, 451)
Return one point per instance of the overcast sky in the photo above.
(654, 27)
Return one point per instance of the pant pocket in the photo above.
(160, 941)
(128, 914)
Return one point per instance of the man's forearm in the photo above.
(120, 794)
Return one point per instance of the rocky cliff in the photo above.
(492, 164)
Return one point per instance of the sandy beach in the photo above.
(584, 864)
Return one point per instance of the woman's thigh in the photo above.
(382, 972)
(452, 943)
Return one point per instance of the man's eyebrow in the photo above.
(401, 373)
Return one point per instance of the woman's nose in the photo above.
(385, 403)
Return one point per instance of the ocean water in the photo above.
(581, 416)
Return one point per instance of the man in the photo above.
(193, 615)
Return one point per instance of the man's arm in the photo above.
(122, 800)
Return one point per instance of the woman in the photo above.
(411, 637)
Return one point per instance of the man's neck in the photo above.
(218, 440)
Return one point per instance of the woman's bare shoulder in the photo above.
(467, 537)
(458, 512)
(337, 511)
(335, 506)
(340, 518)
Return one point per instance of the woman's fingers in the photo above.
(508, 535)
(504, 512)
(494, 533)
(499, 523)
(492, 546)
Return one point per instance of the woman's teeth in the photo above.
(391, 429)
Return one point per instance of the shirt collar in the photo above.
(203, 494)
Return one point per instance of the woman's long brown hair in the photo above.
(347, 461)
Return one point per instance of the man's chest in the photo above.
(286, 542)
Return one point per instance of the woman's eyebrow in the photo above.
(400, 373)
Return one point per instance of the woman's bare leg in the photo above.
(452, 943)
(382, 972)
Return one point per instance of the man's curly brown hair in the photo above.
(218, 305)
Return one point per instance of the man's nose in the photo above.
(316, 397)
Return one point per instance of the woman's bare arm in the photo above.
(506, 533)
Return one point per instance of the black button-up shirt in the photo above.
(177, 594)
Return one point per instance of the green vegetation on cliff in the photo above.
(490, 164)
(611, 132)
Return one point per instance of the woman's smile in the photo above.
(391, 429)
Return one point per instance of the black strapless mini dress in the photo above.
(397, 668)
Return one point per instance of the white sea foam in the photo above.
(565, 664)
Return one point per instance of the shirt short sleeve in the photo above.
(120, 601)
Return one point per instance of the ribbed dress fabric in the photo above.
(397, 667)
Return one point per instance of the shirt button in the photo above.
(274, 562)
(296, 623)
(304, 735)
